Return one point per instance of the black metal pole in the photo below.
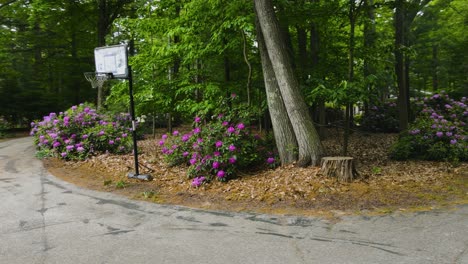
(132, 115)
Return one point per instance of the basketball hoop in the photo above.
(97, 79)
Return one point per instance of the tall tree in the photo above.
(310, 148)
(282, 128)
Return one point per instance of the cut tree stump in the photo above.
(341, 168)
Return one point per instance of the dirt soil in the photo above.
(383, 185)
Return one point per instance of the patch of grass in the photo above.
(120, 184)
(376, 170)
(148, 194)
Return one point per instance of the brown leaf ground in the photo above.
(383, 186)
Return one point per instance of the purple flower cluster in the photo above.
(79, 132)
(213, 149)
(440, 130)
(197, 181)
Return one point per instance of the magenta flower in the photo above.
(193, 161)
(240, 126)
(196, 182)
(63, 154)
(218, 144)
(231, 130)
(232, 148)
(197, 119)
(439, 134)
(453, 141)
(196, 130)
(124, 135)
(70, 147)
(225, 123)
(232, 160)
(448, 134)
(80, 149)
(185, 138)
(185, 154)
(271, 160)
(101, 133)
(161, 142)
(221, 174)
(164, 136)
(216, 165)
(56, 144)
(111, 142)
(216, 153)
(175, 133)
(74, 107)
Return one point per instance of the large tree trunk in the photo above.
(314, 58)
(310, 148)
(435, 79)
(284, 134)
(400, 64)
(369, 44)
(302, 52)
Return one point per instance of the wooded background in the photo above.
(188, 54)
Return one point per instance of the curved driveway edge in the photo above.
(46, 220)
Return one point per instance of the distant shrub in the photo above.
(438, 133)
(4, 125)
(81, 131)
(216, 149)
(381, 118)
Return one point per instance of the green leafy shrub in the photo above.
(81, 131)
(217, 149)
(382, 118)
(3, 127)
(438, 133)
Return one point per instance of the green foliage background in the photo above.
(186, 54)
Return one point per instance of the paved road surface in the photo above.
(46, 220)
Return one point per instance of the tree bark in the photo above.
(302, 52)
(400, 64)
(435, 79)
(282, 129)
(310, 148)
(369, 44)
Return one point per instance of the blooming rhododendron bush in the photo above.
(81, 131)
(439, 132)
(217, 148)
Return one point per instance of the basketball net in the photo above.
(96, 79)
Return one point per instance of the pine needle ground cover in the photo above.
(384, 185)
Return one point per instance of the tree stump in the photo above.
(341, 168)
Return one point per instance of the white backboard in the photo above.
(112, 59)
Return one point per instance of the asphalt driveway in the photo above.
(46, 220)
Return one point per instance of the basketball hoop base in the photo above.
(144, 177)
